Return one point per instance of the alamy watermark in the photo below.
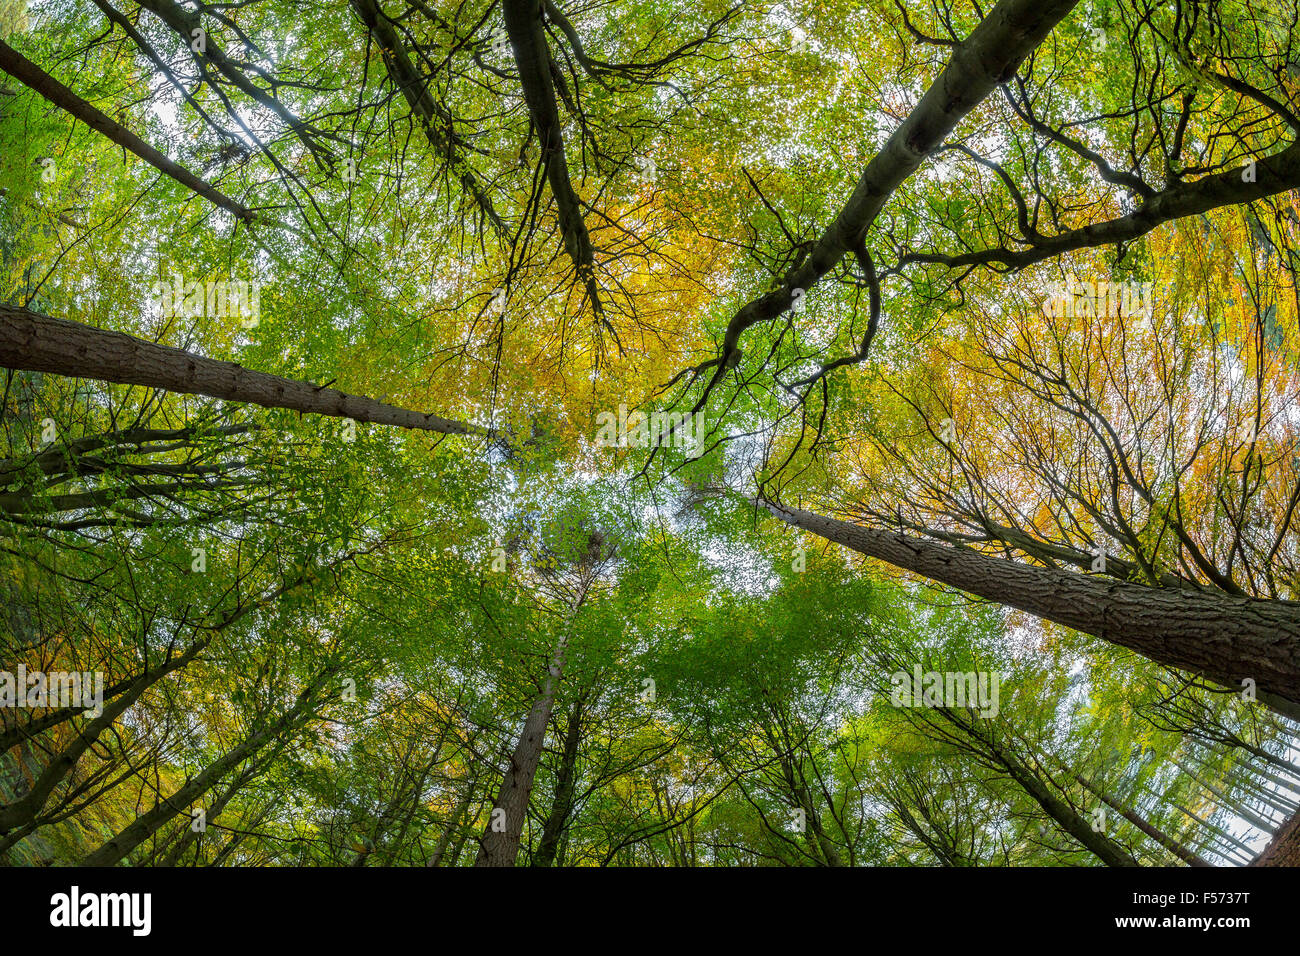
(977, 689)
(1072, 298)
(215, 299)
(24, 688)
(639, 430)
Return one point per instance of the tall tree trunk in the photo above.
(434, 118)
(31, 75)
(988, 57)
(24, 811)
(982, 741)
(39, 343)
(1150, 829)
(527, 32)
(116, 848)
(1226, 839)
(192, 836)
(565, 783)
(818, 840)
(1224, 639)
(499, 845)
(1096, 842)
(1227, 801)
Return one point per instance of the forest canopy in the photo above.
(677, 433)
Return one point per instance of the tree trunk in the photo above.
(523, 20)
(566, 782)
(1100, 845)
(25, 810)
(1284, 848)
(129, 837)
(499, 845)
(988, 57)
(40, 343)
(29, 74)
(1154, 832)
(434, 119)
(453, 821)
(192, 836)
(1225, 839)
(1226, 801)
(1224, 639)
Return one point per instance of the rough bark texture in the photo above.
(131, 836)
(40, 343)
(499, 845)
(1225, 639)
(566, 781)
(527, 35)
(1273, 174)
(1284, 848)
(31, 75)
(24, 811)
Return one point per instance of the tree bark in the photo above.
(444, 839)
(433, 118)
(989, 56)
(1222, 638)
(31, 75)
(1284, 848)
(39, 343)
(129, 837)
(1096, 842)
(499, 845)
(523, 19)
(565, 784)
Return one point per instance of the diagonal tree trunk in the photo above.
(499, 845)
(39, 343)
(978, 738)
(1284, 848)
(527, 34)
(1150, 829)
(1225, 639)
(989, 56)
(31, 75)
(116, 848)
(433, 118)
(24, 811)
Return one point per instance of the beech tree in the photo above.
(399, 394)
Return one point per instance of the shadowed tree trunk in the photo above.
(566, 782)
(24, 811)
(1284, 848)
(1150, 829)
(131, 836)
(499, 845)
(523, 19)
(434, 119)
(989, 56)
